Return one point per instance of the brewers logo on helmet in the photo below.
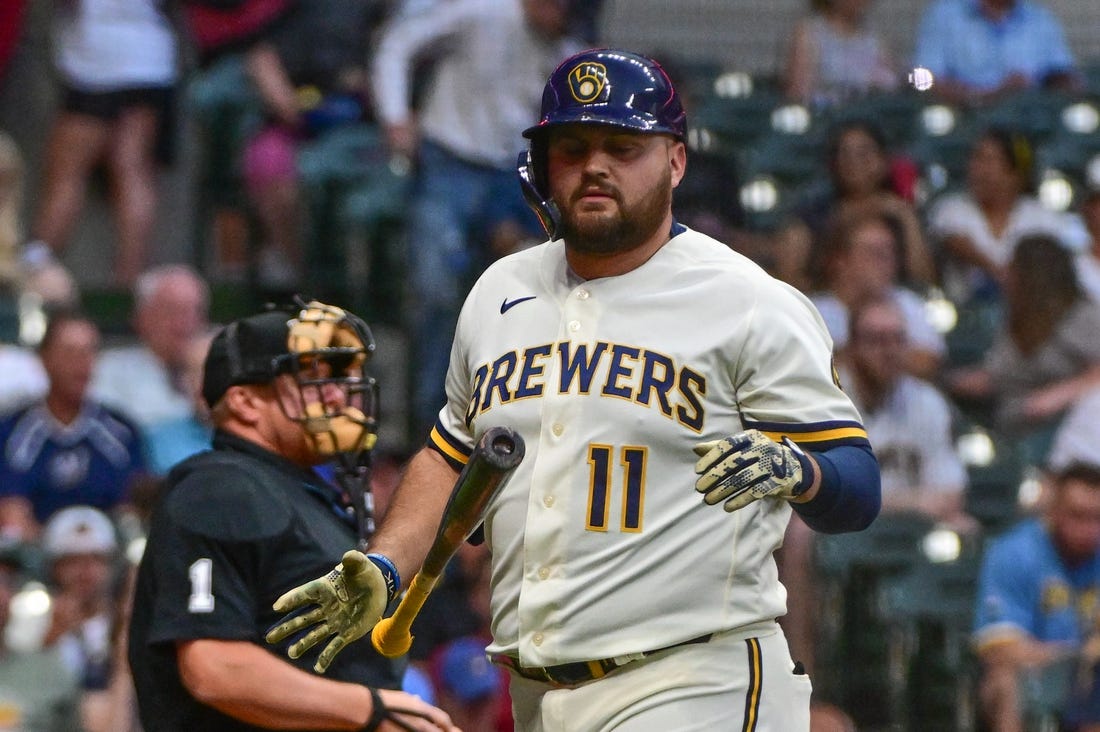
(587, 81)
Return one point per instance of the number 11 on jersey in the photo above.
(632, 462)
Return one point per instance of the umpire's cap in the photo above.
(611, 87)
(251, 350)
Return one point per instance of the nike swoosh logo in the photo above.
(505, 306)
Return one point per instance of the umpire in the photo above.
(242, 523)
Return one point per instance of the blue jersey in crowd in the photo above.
(957, 41)
(90, 461)
(1026, 586)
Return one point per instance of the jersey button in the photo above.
(548, 501)
(557, 429)
(544, 573)
(537, 639)
(582, 294)
(574, 325)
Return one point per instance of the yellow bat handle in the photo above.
(392, 636)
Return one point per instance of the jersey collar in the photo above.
(226, 441)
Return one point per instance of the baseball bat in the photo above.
(496, 455)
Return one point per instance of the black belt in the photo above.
(579, 672)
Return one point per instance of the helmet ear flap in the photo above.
(531, 167)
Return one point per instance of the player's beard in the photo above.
(627, 228)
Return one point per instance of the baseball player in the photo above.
(657, 378)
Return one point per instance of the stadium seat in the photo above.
(941, 159)
(9, 318)
(794, 160)
(976, 327)
(932, 609)
(767, 203)
(227, 109)
(356, 197)
(1069, 153)
(729, 125)
(993, 489)
(110, 308)
(227, 112)
(1091, 71)
(694, 77)
(1034, 113)
(341, 155)
(853, 631)
(894, 113)
(938, 591)
(890, 545)
(372, 218)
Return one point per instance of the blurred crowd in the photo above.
(364, 151)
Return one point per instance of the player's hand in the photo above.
(748, 466)
(401, 711)
(349, 602)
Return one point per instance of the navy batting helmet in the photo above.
(605, 87)
(610, 87)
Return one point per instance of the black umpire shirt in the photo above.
(237, 527)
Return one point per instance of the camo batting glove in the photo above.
(748, 466)
(349, 602)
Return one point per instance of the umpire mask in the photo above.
(328, 348)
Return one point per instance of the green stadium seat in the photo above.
(942, 592)
(942, 159)
(1069, 153)
(1034, 113)
(227, 111)
(1091, 71)
(932, 609)
(895, 114)
(892, 544)
(110, 308)
(343, 154)
(853, 630)
(767, 203)
(224, 103)
(977, 326)
(356, 196)
(795, 160)
(993, 490)
(9, 317)
(694, 77)
(729, 125)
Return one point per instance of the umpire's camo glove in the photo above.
(350, 600)
(748, 466)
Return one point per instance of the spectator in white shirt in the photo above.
(146, 380)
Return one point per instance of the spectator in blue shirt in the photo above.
(67, 449)
(979, 50)
(1037, 601)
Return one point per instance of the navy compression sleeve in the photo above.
(851, 492)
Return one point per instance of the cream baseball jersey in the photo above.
(601, 546)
